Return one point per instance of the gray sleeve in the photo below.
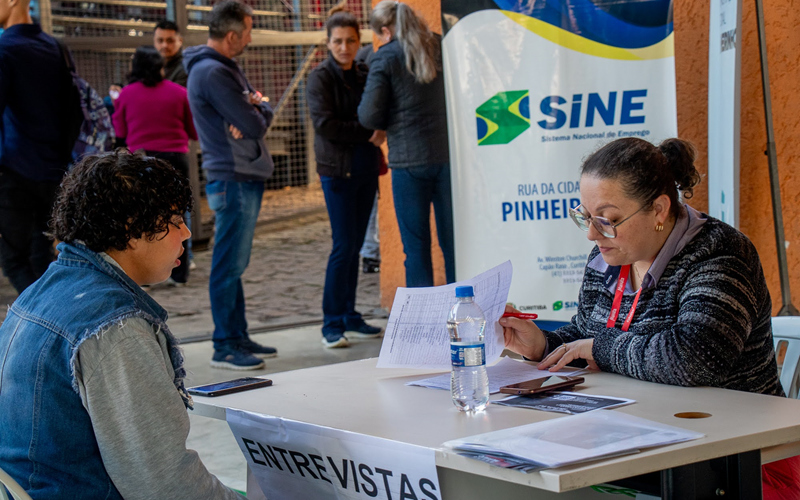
(138, 417)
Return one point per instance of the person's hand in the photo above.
(566, 353)
(523, 336)
(255, 98)
(235, 132)
(378, 138)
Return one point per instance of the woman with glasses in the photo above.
(669, 294)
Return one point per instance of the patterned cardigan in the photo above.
(707, 322)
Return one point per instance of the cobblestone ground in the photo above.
(283, 283)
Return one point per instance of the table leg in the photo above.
(736, 477)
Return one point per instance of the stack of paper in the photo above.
(569, 440)
(416, 335)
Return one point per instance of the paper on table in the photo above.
(416, 335)
(576, 438)
(505, 372)
(565, 402)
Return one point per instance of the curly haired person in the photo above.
(92, 399)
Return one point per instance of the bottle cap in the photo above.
(464, 291)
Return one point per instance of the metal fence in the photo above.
(287, 44)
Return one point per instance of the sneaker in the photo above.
(334, 341)
(192, 265)
(364, 331)
(257, 350)
(370, 266)
(175, 284)
(235, 359)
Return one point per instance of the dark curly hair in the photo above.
(108, 199)
(647, 171)
(146, 66)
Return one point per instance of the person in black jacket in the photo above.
(347, 162)
(405, 96)
(37, 103)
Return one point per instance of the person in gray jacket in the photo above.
(404, 95)
(231, 120)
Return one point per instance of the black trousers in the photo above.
(25, 206)
(179, 162)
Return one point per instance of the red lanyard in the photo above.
(621, 281)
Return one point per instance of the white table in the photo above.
(748, 429)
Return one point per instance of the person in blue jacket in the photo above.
(231, 120)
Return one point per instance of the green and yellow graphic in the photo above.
(503, 117)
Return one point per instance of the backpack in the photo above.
(91, 130)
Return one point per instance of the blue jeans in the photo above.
(236, 206)
(371, 249)
(349, 203)
(414, 189)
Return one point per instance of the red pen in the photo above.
(520, 315)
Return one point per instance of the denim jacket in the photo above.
(47, 443)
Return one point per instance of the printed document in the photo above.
(572, 439)
(507, 371)
(416, 336)
(565, 402)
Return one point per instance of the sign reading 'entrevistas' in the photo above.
(294, 460)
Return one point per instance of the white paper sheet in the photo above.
(416, 335)
(507, 371)
(576, 438)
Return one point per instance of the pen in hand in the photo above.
(520, 315)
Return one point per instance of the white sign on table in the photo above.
(416, 335)
(297, 461)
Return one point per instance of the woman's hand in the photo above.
(523, 336)
(378, 138)
(566, 353)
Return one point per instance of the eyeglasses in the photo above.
(603, 225)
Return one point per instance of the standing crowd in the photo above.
(357, 99)
(92, 396)
(84, 328)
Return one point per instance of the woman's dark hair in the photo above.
(108, 199)
(146, 66)
(646, 171)
(340, 17)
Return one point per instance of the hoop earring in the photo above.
(659, 227)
